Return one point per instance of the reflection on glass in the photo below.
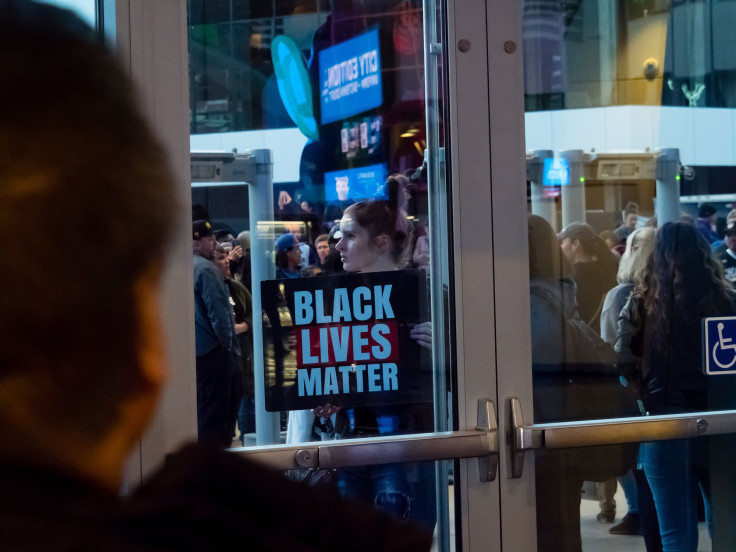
(358, 344)
(630, 164)
(86, 9)
(333, 239)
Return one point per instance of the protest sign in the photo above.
(344, 340)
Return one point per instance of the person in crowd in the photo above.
(307, 252)
(223, 234)
(706, 223)
(240, 259)
(217, 347)
(243, 389)
(661, 326)
(375, 237)
(632, 271)
(719, 246)
(558, 483)
(420, 255)
(323, 247)
(630, 217)
(332, 263)
(613, 243)
(594, 269)
(100, 367)
(728, 256)
(288, 256)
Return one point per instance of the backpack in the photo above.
(587, 388)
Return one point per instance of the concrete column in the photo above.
(573, 195)
(667, 202)
(260, 200)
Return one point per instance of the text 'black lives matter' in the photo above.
(344, 340)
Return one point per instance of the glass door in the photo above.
(489, 82)
(339, 339)
(622, 381)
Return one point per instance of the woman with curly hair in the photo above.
(661, 324)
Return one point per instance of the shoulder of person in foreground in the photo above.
(207, 499)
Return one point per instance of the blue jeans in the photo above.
(675, 470)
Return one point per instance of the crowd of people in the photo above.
(85, 348)
(373, 235)
(223, 316)
(645, 291)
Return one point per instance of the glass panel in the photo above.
(86, 9)
(340, 245)
(629, 132)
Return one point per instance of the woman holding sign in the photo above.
(376, 238)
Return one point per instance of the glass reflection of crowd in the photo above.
(645, 291)
(375, 235)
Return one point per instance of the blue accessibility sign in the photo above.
(719, 344)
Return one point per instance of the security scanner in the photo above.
(253, 169)
(595, 187)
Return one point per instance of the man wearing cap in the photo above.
(288, 256)
(706, 222)
(332, 263)
(594, 269)
(728, 257)
(215, 341)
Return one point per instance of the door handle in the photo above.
(481, 442)
(522, 437)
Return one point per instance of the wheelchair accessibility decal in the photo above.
(719, 341)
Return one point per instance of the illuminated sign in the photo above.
(556, 172)
(350, 77)
(356, 184)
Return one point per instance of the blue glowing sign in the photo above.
(556, 172)
(719, 345)
(350, 77)
(354, 184)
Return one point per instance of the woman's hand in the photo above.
(235, 254)
(284, 200)
(325, 411)
(422, 334)
(241, 328)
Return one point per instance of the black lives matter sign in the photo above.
(344, 339)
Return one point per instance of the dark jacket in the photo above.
(672, 381)
(203, 499)
(594, 279)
